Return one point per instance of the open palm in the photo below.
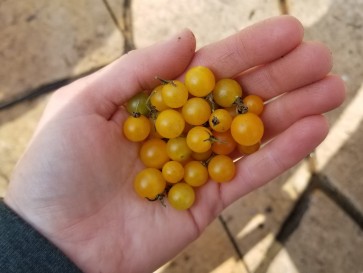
(74, 182)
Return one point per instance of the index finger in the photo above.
(255, 45)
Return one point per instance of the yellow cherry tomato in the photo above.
(149, 183)
(153, 153)
(247, 129)
(221, 168)
(169, 123)
(136, 129)
(200, 81)
(173, 171)
(181, 196)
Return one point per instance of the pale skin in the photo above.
(74, 182)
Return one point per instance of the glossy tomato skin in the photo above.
(169, 123)
(254, 104)
(149, 183)
(138, 104)
(226, 92)
(221, 168)
(153, 153)
(136, 129)
(202, 156)
(196, 111)
(195, 174)
(198, 139)
(247, 150)
(173, 171)
(247, 129)
(224, 144)
(181, 196)
(174, 94)
(156, 99)
(178, 149)
(200, 81)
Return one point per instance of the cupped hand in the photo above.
(74, 183)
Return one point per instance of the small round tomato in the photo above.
(202, 156)
(233, 111)
(226, 92)
(247, 129)
(195, 174)
(138, 104)
(173, 171)
(156, 99)
(200, 81)
(247, 150)
(199, 139)
(149, 183)
(181, 196)
(221, 168)
(174, 94)
(224, 144)
(153, 153)
(178, 149)
(169, 123)
(137, 128)
(196, 111)
(220, 120)
(153, 132)
(254, 104)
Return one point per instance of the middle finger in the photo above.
(308, 63)
(314, 99)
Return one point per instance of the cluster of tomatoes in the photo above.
(190, 132)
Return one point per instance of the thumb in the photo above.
(136, 70)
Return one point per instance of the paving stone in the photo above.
(42, 41)
(340, 155)
(326, 240)
(309, 12)
(16, 128)
(212, 252)
(339, 24)
(255, 219)
(209, 20)
(345, 169)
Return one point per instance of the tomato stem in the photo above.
(153, 112)
(160, 197)
(211, 102)
(213, 139)
(241, 108)
(163, 81)
(206, 162)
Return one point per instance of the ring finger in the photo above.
(314, 99)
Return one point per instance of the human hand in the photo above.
(74, 182)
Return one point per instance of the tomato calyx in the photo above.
(215, 121)
(241, 108)
(160, 197)
(211, 139)
(136, 114)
